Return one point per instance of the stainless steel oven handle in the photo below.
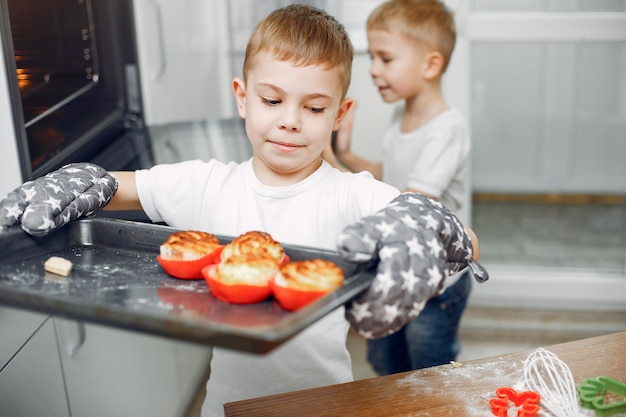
(70, 335)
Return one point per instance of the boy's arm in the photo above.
(126, 197)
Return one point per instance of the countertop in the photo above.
(439, 391)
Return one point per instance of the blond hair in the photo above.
(304, 35)
(428, 22)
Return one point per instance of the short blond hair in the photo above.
(304, 35)
(428, 22)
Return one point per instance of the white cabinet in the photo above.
(184, 60)
(31, 381)
(544, 92)
(122, 373)
(52, 367)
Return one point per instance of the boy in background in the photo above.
(292, 96)
(426, 149)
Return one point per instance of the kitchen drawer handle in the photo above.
(70, 335)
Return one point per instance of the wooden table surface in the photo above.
(439, 391)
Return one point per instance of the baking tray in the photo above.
(117, 281)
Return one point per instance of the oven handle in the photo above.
(155, 16)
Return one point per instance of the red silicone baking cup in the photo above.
(189, 269)
(294, 299)
(235, 293)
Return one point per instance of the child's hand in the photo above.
(418, 243)
(51, 201)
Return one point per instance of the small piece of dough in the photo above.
(456, 364)
(58, 265)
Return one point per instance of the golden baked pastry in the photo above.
(188, 245)
(310, 275)
(256, 244)
(246, 269)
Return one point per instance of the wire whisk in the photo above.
(552, 379)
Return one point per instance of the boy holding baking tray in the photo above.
(426, 148)
(292, 96)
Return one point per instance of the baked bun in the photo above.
(254, 244)
(247, 270)
(188, 245)
(241, 279)
(310, 275)
(299, 283)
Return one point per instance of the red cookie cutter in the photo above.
(527, 402)
(592, 393)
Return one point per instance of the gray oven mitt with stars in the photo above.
(418, 242)
(49, 202)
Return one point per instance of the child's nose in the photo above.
(290, 119)
(374, 69)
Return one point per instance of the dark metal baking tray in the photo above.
(117, 281)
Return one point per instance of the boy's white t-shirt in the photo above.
(228, 199)
(434, 159)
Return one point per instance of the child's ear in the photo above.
(346, 105)
(239, 90)
(434, 65)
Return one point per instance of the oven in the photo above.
(74, 87)
(72, 82)
(71, 85)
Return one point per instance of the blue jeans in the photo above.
(431, 339)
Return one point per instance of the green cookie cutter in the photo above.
(592, 391)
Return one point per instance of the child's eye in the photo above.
(270, 102)
(316, 109)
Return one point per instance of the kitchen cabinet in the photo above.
(183, 49)
(122, 373)
(542, 86)
(17, 326)
(31, 377)
(57, 367)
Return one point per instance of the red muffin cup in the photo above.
(235, 293)
(294, 299)
(189, 269)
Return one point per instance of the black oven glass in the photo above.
(76, 79)
(55, 51)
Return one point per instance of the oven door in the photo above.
(72, 79)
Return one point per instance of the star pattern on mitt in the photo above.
(417, 242)
(51, 201)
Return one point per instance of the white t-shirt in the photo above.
(434, 159)
(228, 199)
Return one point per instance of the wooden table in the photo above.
(439, 391)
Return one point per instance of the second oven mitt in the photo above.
(418, 242)
(49, 202)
